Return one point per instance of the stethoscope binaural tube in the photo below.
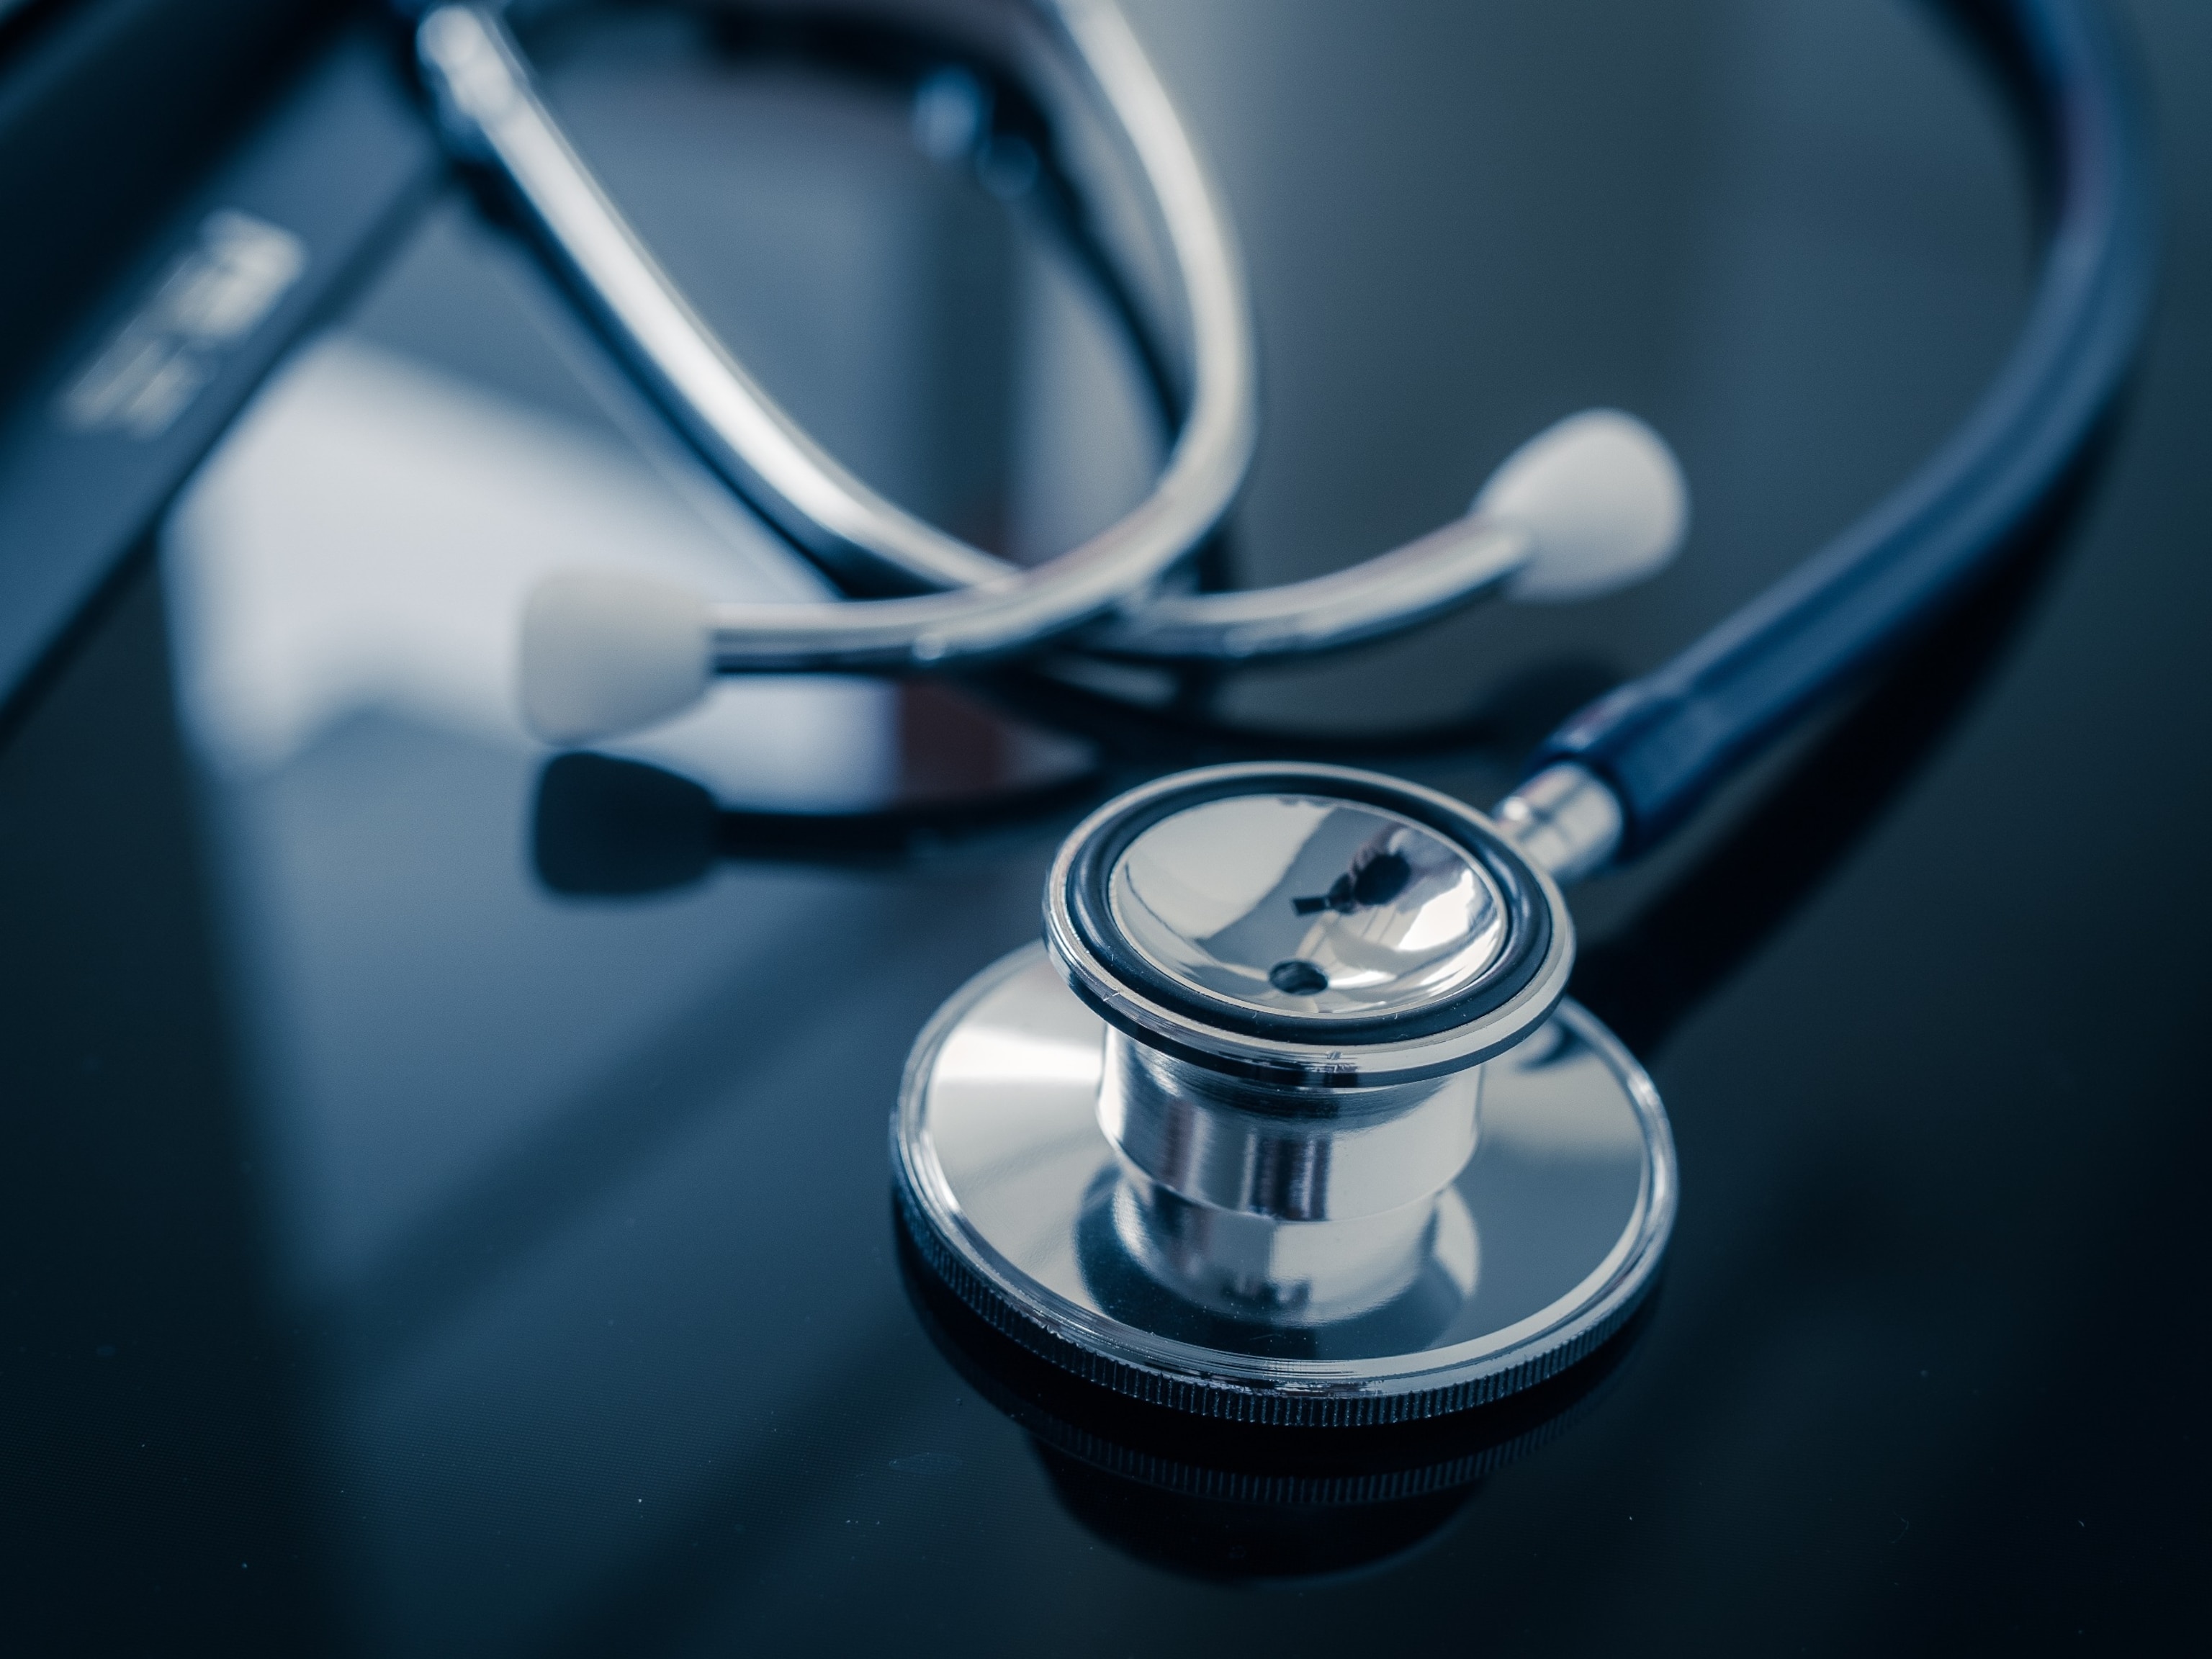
(592, 646)
(490, 108)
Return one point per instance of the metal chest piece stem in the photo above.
(1287, 1120)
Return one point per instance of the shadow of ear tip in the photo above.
(605, 827)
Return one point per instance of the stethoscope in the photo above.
(1287, 1119)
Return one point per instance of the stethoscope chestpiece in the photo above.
(1312, 928)
(1288, 1120)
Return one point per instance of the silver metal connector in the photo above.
(1564, 820)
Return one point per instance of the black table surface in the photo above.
(431, 1223)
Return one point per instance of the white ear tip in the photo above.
(604, 652)
(1605, 499)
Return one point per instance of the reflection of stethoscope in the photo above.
(1287, 1120)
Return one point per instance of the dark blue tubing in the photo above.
(1664, 741)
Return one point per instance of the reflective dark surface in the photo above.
(420, 1233)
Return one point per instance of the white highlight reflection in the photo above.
(366, 536)
(1013, 1057)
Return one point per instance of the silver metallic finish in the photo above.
(1564, 820)
(1085, 61)
(1308, 908)
(1535, 1248)
(1246, 1146)
(1386, 979)
(1466, 559)
(489, 100)
(1302, 1277)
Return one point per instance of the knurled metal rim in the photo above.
(1174, 1472)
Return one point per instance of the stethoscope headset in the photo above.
(1230, 1141)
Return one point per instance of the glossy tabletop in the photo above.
(445, 1206)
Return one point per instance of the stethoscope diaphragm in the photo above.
(1411, 1181)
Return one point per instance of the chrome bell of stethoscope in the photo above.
(1287, 1119)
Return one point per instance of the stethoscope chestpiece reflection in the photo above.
(1288, 1121)
(1245, 1503)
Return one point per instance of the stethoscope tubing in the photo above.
(1662, 743)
